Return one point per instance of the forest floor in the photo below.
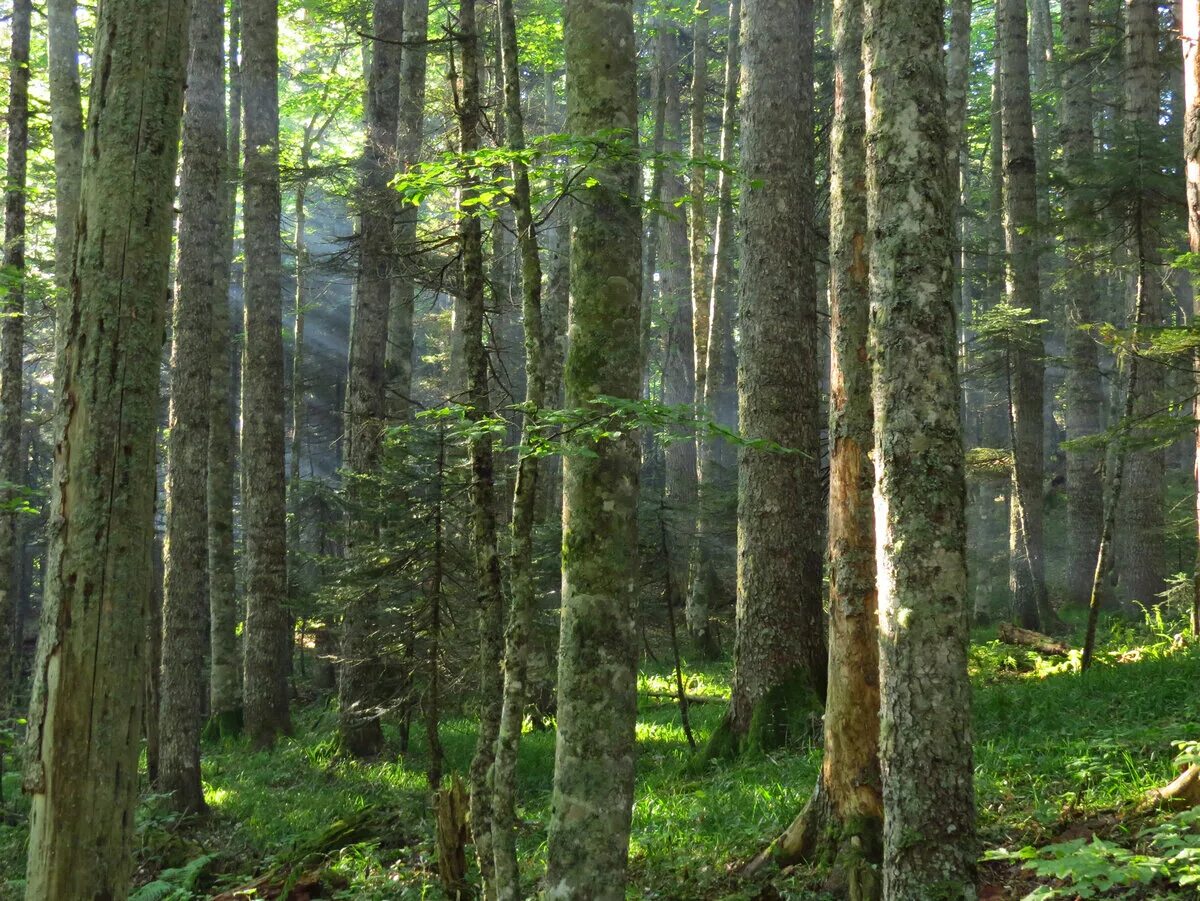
(1060, 760)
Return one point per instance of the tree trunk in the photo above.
(201, 256)
(1026, 365)
(358, 687)
(842, 823)
(1140, 558)
(1191, 156)
(718, 482)
(264, 516)
(597, 673)
(66, 132)
(779, 657)
(701, 263)
(925, 747)
(12, 339)
(1085, 497)
(224, 683)
(86, 711)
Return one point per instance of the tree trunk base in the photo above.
(789, 715)
(851, 850)
(1181, 794)
(226, 724)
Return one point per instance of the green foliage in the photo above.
(175, 884)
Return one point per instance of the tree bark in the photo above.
(66, 133)
(925, 747)
(779, 656)
(264, 517)
(86, 710)
(597, 673)
(701, 263)
(1191, 157)
(201, 257)
(12, 339)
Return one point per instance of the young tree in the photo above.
(267, 635)
(779, 656)
(85, 713)
(925, 747)
(202, 249)
(1024, 354)
(12, 335)
(358, 683)
(597, 673)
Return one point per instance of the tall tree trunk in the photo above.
(1139, 546)
(597, 671)
(1191, 157)
(12, 338)
(366, 396)
(264, 515)
(489, 592)
(66, 132)
(843, 820)
(697, 206)
(1085, 496)
(410, 125)
(201, 256)
(224, 683)
(718, 481)
(86, 711)
(1026, 364)
(300, 308)
(521, 572)
(663, 81)
(779, 656)
(925, 745)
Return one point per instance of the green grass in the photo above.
(1053, 748)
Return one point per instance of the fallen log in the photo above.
(1027, 638)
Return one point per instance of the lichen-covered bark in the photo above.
(597, 665)
(842, 824)
(12, 331)
(201, 253)
(224, 682)
(521, 572)
(718, 482)
(1084, 398)
(488, 590)
(1140, 549)
(780, 645)
(410, 124)
(358, 683)
(86, 710)
(264, 518)
(1026, 366)
(1191, 158)
(925, 745)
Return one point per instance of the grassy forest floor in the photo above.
(1059, 758)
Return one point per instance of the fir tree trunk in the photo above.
(718, 482)
(201, 256)
(701, 263)
(597, 672)
(12, 339)
(1191, 157)
(85, 716)
(1025, 355)
(264, 513)
(925, 746)
(66, 132)
(224, 683)
(1085, 496)
(358, 685)
(779, 657)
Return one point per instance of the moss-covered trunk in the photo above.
(86, 710)
(597, 665)
(925, 745)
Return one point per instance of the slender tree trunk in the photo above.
(489, 593)
(663, 82)
(298, 313)
(843, 820)
(698, 209)
(521, 572)
(410, 125)
(779, 656)
(1191, 157)
(597, 673)
(925, 746)
(86, 711)
(66, 132)
(12, 338)
(1026, 366)
(1140, 558)
(201, 256)
(224, 685)
(263, 503)
(718, 481)
(1085, 497)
